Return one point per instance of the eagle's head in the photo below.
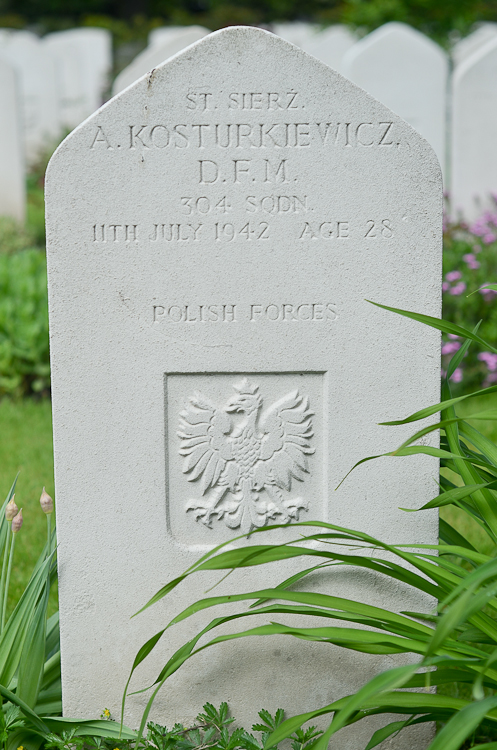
(247, 398)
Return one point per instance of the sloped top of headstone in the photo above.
(391, 39)
(483, 55)
(330, 45)
(164, 34)
(151, 57)
(473, 42)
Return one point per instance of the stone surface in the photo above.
(75, 99)
(473, 42)
(12, 186)
(474, 122)
(408, 72)
(40, 106)
(213, 234)
(151, 57)
(331, 45)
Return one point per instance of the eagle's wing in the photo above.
(287, 429)
(203, 430)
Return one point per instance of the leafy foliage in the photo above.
(455, 645)
(24, 350)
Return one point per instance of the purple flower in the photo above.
(445, 286)
(458, 289)
(453, 336)
(471, 261)
(488, 238)
(453, 275)
(451, 347)
(457, 375)
(488, 293)
(490, 360)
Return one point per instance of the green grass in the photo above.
(26, 447)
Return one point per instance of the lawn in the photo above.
(26, 447)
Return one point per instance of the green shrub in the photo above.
(24, 348)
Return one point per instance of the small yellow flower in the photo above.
(106, 713)
(20, 747)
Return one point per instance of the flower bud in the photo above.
(46, 502)
(17, 522)
(11, 509)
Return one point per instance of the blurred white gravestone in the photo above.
(75, 100)
(297, 33)
(265, 198)
(330, 45)
(151, 57)
(37, 77)
(94, 48)
(408, 72)
(473, 42)
(164, 34)
(474, 124)
(12, 183)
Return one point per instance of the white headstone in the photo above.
(12, 183)
(473, 42)
(94, 46)
(406, 71)
(37, 76)
(474, 124)
(163, 34)
(151, 57)
(239, 206)
(331, 45)
(297, 33)
(75, 100)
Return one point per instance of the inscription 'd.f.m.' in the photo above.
(242, 466)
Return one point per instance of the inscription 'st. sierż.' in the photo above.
(242, 467)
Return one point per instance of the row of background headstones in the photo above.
(50, 85)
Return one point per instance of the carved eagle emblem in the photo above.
(244, 463)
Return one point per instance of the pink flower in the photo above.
(458, 289)
(488, 293)
(471, 261)
(451, 347)
(490, 379)
(445, 286)
(457, 375)
(488, 238)
(453, 336)
(490, 360)
(453, 275)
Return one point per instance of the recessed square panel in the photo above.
(243, 451)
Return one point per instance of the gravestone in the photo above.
(94, 46)
(12, 186)
(474, 122)
(473, 42)
(75, 101)
(331, 45)
(297, 33)
(37, 77)
(151, 57)
(408, 72)
(266, 197)
(164, 34)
